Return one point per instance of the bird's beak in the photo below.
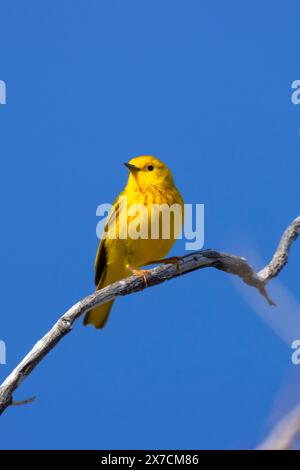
(131, 167)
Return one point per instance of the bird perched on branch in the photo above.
(137, 233)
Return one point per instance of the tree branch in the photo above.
(197, 260)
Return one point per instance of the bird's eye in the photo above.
(150, 167)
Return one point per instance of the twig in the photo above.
(22, 402)
(197, 260)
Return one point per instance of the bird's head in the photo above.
(149, 171)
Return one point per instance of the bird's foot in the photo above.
(172, 260)
(140, 273)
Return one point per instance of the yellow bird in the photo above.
(120, 254)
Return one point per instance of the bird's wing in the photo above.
(100, 262)
(101, 257)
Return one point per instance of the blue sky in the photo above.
(206, 87)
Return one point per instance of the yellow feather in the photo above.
(150, 182)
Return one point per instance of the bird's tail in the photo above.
(99, 315)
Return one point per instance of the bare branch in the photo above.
(280, 257)
(283, 436)
(197, 260)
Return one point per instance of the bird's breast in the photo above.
(153, 221)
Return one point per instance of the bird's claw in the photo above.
(175, 260)
(140, 273)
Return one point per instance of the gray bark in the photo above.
(231, 264)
